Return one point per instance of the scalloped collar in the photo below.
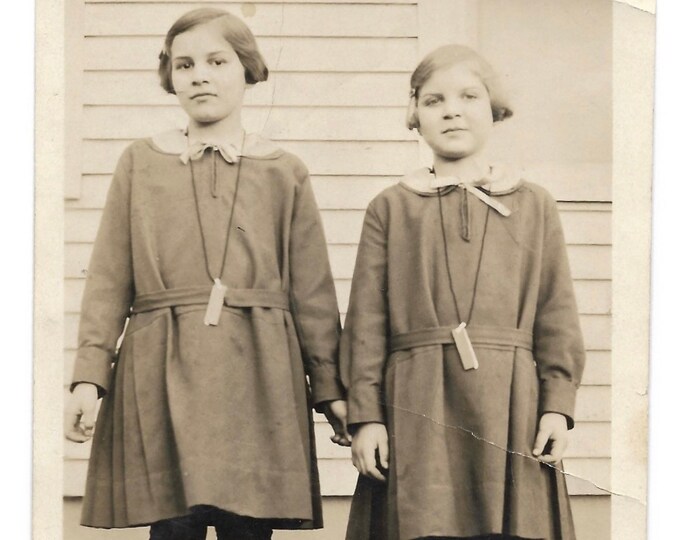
(176, 142)
(500, 181)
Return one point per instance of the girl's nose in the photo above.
(200, 74)
(451, 108)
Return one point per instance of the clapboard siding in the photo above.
(269, 19)
(227, 3)
(282, 54)
(336, 97)
(297, 89)
(282, 123)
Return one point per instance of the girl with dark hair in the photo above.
(211, 244)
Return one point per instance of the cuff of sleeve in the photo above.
(365, 406)
(326, 386)
(559, 396)
(93, 366)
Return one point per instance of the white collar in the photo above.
(175, 141)
(501, 179)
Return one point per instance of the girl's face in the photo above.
(454, 111)
(207, 75)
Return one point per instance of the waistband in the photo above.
(200, 295)
(490, 336)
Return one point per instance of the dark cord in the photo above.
(231, 216)
(448, 267)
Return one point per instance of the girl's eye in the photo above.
(470, 96)
(219, 61)
(184, 65)
(431, 101)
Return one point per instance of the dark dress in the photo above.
(461, 441)
(207, 415)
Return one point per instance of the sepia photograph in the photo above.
(356, 270)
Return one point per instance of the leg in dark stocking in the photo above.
(233, 527)
(190, 527)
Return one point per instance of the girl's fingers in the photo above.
(541, 440)
(384, 453)
(77, 436)
(75, 430)
(558, 448)
(343, 441)
(340, 439)
(71, 420)
(87, 419)
(358, 460)
(366, 461)
(339, 429)
(546, 458)
(343, 422)
(360, 466)
(374, 473)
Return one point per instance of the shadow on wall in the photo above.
(591, 514)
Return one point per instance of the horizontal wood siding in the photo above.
(264, 19)
(336, 96)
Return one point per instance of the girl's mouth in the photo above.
(204, 94)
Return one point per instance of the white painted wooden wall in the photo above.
(336, 97)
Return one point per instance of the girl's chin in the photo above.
(453, 155)
(208, 115)
(207, 119)
(204, 121)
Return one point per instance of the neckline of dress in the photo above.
(175, 142)
(504, 181)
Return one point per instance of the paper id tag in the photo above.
(467, 354)
(214, 310)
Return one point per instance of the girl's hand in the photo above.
(552, 438)
(81, 409)
(368, 439)
(336, 413)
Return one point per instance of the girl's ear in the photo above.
(412, 121)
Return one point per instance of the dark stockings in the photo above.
(195, 526)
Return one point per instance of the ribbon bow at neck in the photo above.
(472, 188)
(194, 151)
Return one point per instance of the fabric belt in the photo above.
(491, 336)
(200, 295)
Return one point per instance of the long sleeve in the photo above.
(109, 285)
(364, 341)
(558, 343)
(314, 302)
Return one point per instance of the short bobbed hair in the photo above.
(234, 31)
(449, 55)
